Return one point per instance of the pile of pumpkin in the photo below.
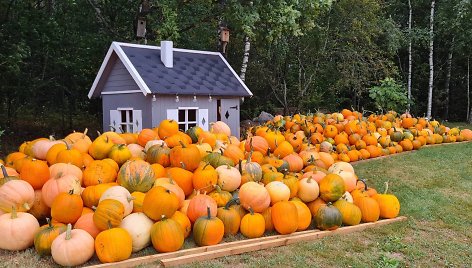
(120, 193)
(349, 136)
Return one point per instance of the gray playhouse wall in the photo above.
(119, 79)
(137, 101)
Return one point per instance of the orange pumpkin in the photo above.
(208, 230)
(160, 201)
(67, 207)
(35, 172)
(285, 217)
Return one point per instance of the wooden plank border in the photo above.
(242, 246)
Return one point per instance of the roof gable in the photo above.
(194, 72)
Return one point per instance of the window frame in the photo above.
(128, 125)
(186, 121)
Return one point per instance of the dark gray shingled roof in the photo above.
(192, 73)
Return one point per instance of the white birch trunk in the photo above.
(469, 110)
(410, 61)
(247, 48)
(431, 61)
(448, 79)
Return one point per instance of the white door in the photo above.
(230, 114)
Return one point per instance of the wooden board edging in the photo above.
(242, 246)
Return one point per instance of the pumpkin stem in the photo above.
(109, 224)
(386, 187)
(85, 133)
(182, 164)
(48, 220)
(26, 206)
(14, 215)
(206, 165)
(68, 231)
(71, 191)
(4, 171)
(240, 167)
(163, 217)
(209, 212)
(251, 211)
(231, 202)
(183, 145)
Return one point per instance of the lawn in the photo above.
(433, 186)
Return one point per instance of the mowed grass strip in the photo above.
(433, 186)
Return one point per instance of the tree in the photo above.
(389, 95)
(410, 62)
(431, 60)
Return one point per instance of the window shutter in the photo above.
(203, 119)
(173, 114)
(115, 121)
(137, 120)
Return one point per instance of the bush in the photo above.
(390, 95)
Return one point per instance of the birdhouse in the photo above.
(224, 34)
(141, 28)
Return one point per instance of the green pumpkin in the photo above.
(216, 159)
(158, 154)
(192, 132)
(136, 175)
(351, 213)
(328, 218)
(396, 136)
(45, 236)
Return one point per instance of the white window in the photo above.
(188, 117)
(125, 120)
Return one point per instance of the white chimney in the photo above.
(167, 54)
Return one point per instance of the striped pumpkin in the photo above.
(136, 175)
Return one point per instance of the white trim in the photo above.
(120, 92)
(175, 49)
(130, 67)
(236, 75)
(124, 108)
(187, 108)
(100, 72)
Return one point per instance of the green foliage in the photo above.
(389, 95)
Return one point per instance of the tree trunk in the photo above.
(410, 62)
(469, 110)
(431, 61)
(448, 80)
(247, 48)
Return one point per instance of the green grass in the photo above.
(433, 186)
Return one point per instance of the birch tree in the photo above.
(431, 60)
(410, 61)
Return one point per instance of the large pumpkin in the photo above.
(304, 215)
(73, 247)
(113, 245)
(45, 236)
(139, 227)
(172, 186)
(255, 196)
(109, 213)
(182, 177)
(252, 225)
(328, 217)
(62, 169)
(17, 230)
(160, 201)
(278, 191)
(351, 214)
(98, 172)
(369, 208)
(56, 185)
(308, 189)
(204, 178)
(285, 217)
(332, 187)
(16, 194)
(167, 235)
(208, 230)
(136, 175)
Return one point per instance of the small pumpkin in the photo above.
(388, 204)
(158, 154)
(184, 222)
(56, 185)
(85, 222)
(252, 225)
(332, 187)
(267, 214)
(204, 178)
(121, 194)
(278, 191)
(160, 201)
(45, 236)
(229, 178)
(304, 215)
(16, 194)
(198, 207)
(67, 207)
(308, 189)
(113, 245)
(6, 176)
(255, 196)
(351, 214)
(369, 208)
(62, 169)
(186, 156)
(110, 212)
(73, 247)
(167, 235)
(98, 172)
(91, 194)
(328, 217)
(208, 230)
(39, 209)
(119, 153)
(35, 172)
(230, 217)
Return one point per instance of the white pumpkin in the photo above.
(341, 166)
(229, 178)
(41, 147)
(138, 226)
(308, 189)
(137, 151)
(278, 191)
(17, 230)
(121, 194)
(348, 197)
(220, 127)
